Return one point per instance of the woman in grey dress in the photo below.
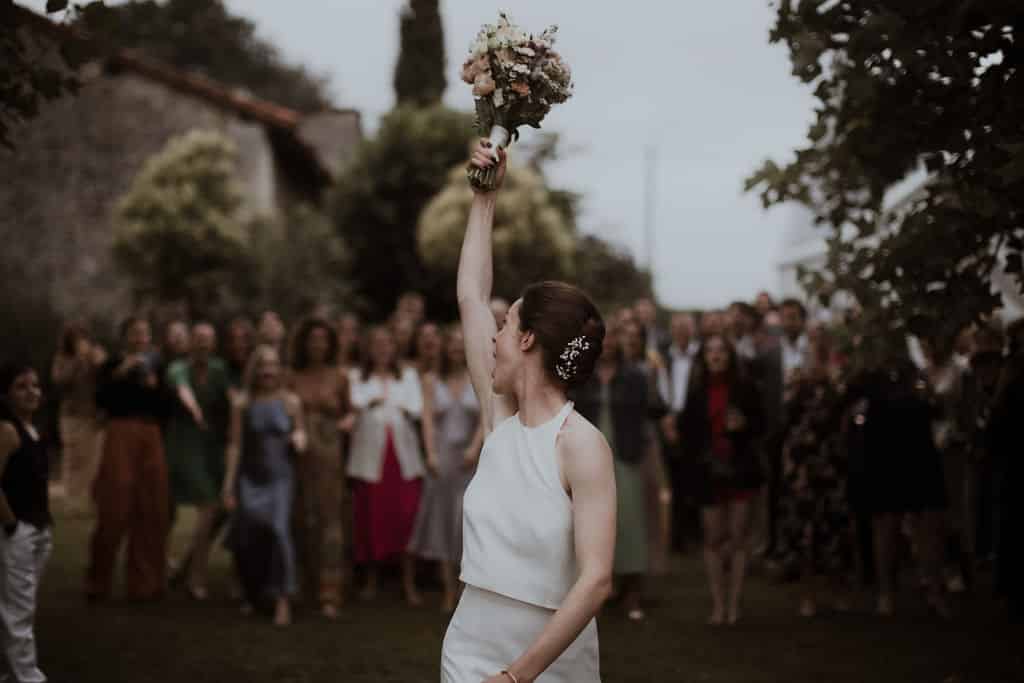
(266, 425)
(451, 433)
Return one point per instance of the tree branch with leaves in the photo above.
(934, 87)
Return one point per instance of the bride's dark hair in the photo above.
(568, 328)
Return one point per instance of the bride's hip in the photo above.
(489, 631)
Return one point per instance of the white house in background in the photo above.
(803, 244)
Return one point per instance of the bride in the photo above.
(539, 520)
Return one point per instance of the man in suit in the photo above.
(774, 369)
(656, 339)
(680, 358)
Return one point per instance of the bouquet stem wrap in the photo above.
(484, 178)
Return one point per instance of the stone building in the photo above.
(72, 163)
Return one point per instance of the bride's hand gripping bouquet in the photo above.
(516, 78)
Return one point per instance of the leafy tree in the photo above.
(179, 233)
(419, 73)
(532, 238)
(376, 204)
(296, 264)
(609, 275)
(183, 235)
(900, 85)
(203, 36)
(27, 77)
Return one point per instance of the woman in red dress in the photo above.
(386, 461)
(719, 431)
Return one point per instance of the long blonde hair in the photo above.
(258, 355)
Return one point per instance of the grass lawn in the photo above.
(185, 642)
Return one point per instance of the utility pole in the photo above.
(650, 163)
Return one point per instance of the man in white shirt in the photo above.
(743, 321)
(672, 385)
(681, 354)
(794, 339)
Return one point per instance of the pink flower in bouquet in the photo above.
(483, 85)
(474, 66)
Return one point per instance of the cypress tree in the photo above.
(419, 73)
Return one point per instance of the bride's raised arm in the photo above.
(475, 279)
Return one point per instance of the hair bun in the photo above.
(568, 328)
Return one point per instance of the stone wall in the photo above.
(72, 163)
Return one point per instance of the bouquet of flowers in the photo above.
(516, 77)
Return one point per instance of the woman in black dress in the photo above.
(1005, 433)
(900, 471)
(719, 430)
(815, 523)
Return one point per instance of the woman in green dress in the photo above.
(195, 441)
(617, 401)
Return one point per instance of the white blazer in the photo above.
(403, 404)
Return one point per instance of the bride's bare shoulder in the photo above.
(579, 436)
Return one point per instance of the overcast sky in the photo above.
(697, 79)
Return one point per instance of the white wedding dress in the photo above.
(518, 560)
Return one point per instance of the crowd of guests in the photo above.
(324, 453)
(828, 460)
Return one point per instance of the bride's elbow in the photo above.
(601, 588)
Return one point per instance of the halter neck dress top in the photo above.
(518, 560)
(517, 528)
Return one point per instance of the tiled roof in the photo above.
(201, 87)
(294, 132)
(232, 99)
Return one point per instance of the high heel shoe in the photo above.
(939, 608)
(885, 607)
(197, 593)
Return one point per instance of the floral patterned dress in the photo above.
(815, 513)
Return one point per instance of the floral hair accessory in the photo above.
(568, 363)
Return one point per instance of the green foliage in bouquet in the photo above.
(532, 239)
(899, 87)
(179, 234)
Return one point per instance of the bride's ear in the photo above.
(527, 341)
